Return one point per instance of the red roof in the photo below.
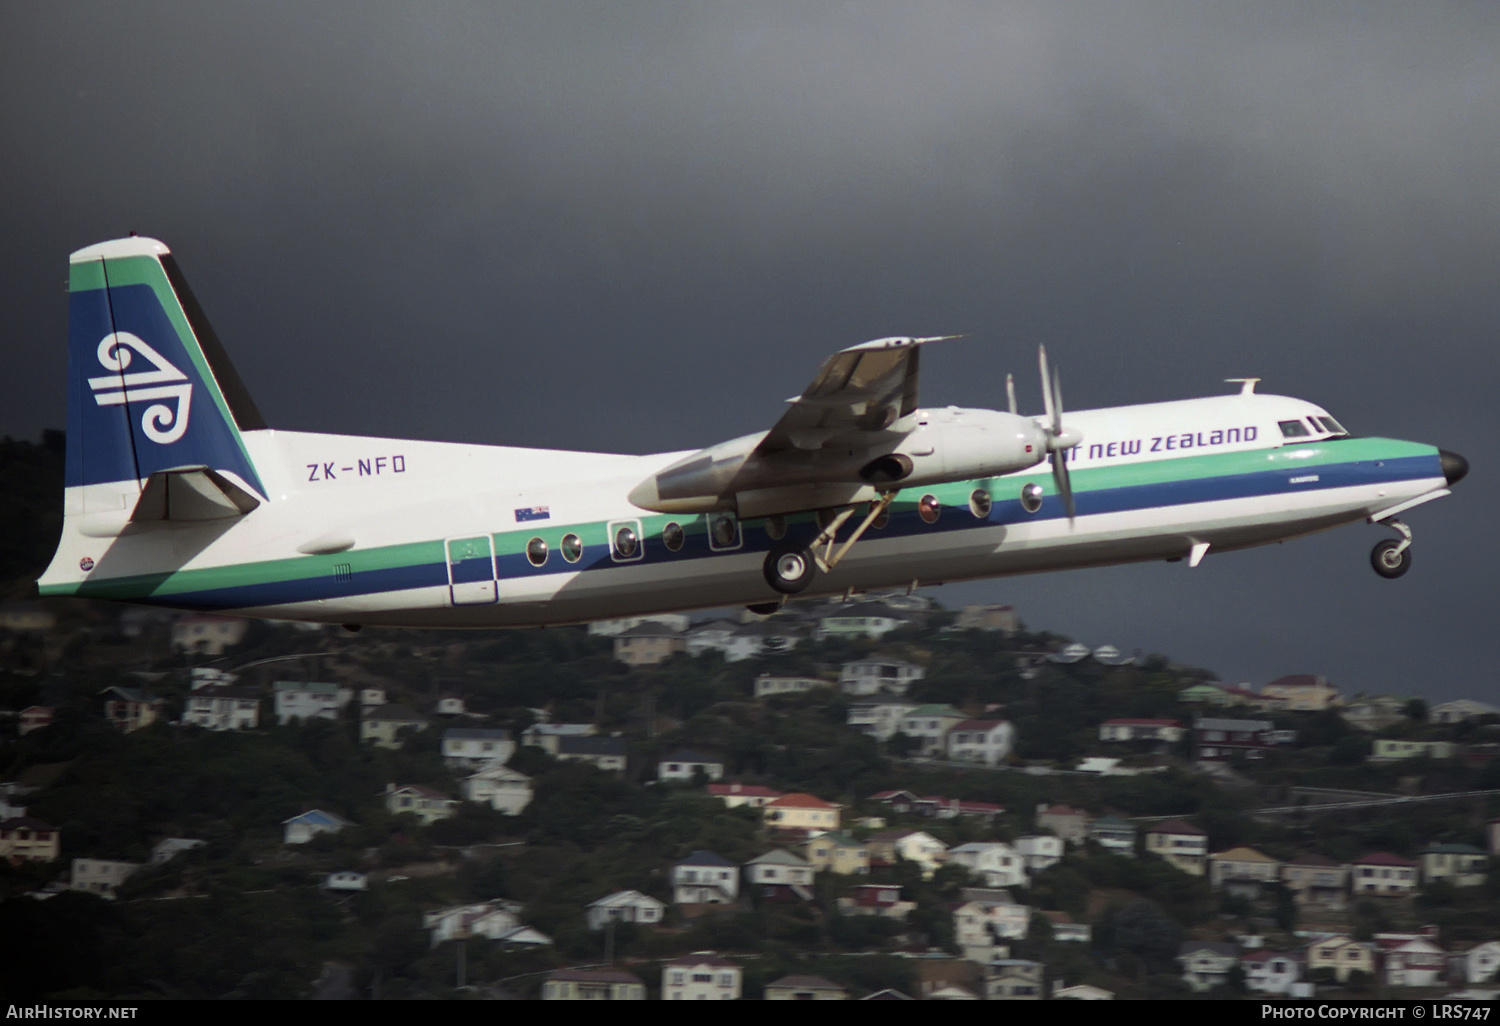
(1384, 858)
(1176, 826)
(798, 800)
(984, 725)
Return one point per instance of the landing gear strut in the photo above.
(1392, 558)
(791, 566)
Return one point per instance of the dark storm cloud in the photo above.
(640, 226)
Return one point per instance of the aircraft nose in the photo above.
(1455, 467)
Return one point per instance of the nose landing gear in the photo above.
(1392, 558)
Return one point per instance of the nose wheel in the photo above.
(1392, 557)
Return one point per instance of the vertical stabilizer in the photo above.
(149, 387)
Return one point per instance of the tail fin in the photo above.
(150, 389)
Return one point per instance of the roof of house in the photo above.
(1176, 826)
(1451, 849)
(705, 858)
(805, 983)
(699, 958)
(594, 976)
(27, 823)
(319, 817)
(418, 789)
(984, 725)
(475, 734)
(777, 857)
(800, 800)
(1317, 861)
(1241, 854)
(1383, 858)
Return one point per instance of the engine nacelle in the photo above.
(955, 445)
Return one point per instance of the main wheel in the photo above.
(789, 568)
(1389, 559)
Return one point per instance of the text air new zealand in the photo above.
(178, 493)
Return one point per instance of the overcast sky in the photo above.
(639, 227)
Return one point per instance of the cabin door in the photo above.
(471, 571)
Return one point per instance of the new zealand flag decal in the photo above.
(533, 513)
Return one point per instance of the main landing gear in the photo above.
(790, 566)
(1392, 557)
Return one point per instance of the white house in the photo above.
(1040, 851)
(986, 741)
(858, 620)
(980, 927)
(683, 766)
(766, 685)
(346, 880)
(101, 876)
(910, 846)
(303, 828)
(865, 677)
(705, 878)
(169, 848)
(426, 804)
(1481, 962)
(1270, 972)
(624, 907)
(997, 863)
(880, 720)
(701, 976)
(1417, 963)
(781, 869)
(501, 788)
(221, 707)
(474, 748)
(298, 700)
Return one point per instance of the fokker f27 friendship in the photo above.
(178, 493)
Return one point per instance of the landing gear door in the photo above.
(471, 571)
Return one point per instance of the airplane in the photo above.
(179, 494)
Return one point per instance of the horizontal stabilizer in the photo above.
(190, 494)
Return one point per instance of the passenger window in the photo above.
(929, 507)
(723, 532)
(571, 548)
(625, 540)
(672, 536)
(536, 551)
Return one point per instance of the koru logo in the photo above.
(162, 424)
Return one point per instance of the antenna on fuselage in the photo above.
(1247, 385)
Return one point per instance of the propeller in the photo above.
(1059, 438)
(1010, 392)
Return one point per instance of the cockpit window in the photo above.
(1293, 429)
(1332, 425)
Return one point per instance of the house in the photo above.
(705, 878)
(736, 794)
(838, 853)
(1041, 851)
(865, 677)
(222, 707)
(648, 644)
(1383, 874)
(547, 736)
(996, 863)
(206, 634)
(501, 788)
(1114, 835)
(1140, 730)
(805, 988)
(449, 705)
(1460, 710)
(308, 700)
(981, 926)
(1302, 692)
(384, 725)
(346, 881)
(371, 696)
(35, 717)
(985, 741)
(1374, 713)
(169, 848)
(1243, 871)
(593, 985)
(769, 637)
(918, 846)
(303, 828)
(1462, 865)
(1317, 880)
(1206, 965)
(872, 620)
(1270, 972)
(624, 907)
(1417, 962)
(929, 725)
(767, 685)
(100, 876)
(1014, 979)
(1065, 930)
(1342, 956)
(876, 900)
(988, 618)
(28, 839)
(1081, 992)
(130, 709)
(1392, 749)
(684, 766)
(609, 754)
(1068, 823)
(497, 920)
(1218, 740)
(701, 976)
(474, 748)
(780, 874)
(800, 812)
(1181, 844)
(1480, 963)
(710, 636)
(611, 628)
(879, 720)
(427, 804)
(936, 973)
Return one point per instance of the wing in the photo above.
(865, 388)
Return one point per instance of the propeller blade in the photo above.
(1064, 484)
(1041, 354)
(1010, 392)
